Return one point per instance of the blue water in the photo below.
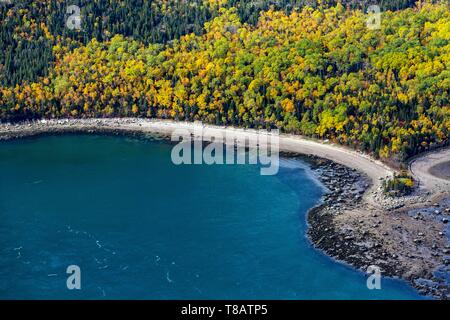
(140, 227)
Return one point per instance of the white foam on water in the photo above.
(168, 278)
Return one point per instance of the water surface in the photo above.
(140, 227)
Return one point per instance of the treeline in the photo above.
(30, 28)
(318, 72)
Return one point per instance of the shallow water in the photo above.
(140, 227)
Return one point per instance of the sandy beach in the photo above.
(345, 156)
(360, 228)
(432, 170)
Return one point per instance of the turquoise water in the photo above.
(140, 227)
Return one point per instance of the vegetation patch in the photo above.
(401, 184)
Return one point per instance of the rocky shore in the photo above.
(406, 237)
(406, 243)
(45, 127)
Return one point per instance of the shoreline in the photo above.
(423, 166)
(344, 228)
(354, 223)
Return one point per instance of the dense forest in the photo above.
(314, 70)
(30, 28)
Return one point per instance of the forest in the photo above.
(30, 28)
(314, 69)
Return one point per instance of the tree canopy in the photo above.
(30, 28)
(314, 71)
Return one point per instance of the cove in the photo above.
(140, 227)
